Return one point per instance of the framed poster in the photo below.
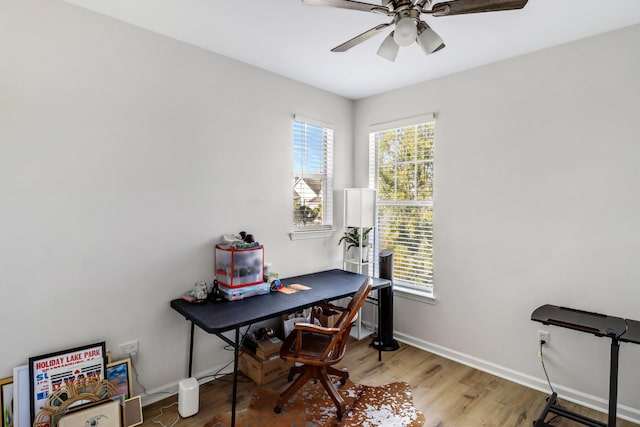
(6, 401)
(119, 374)
(49, 372)
(108, 413)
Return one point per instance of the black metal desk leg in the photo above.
(613, 382)
(190, 351)
(379, 326)
(551, 401)
(235, 377)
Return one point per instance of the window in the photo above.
(401, 169)
(312, 175)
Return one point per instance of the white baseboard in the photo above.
(565, 393)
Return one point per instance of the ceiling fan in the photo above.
(408, 25)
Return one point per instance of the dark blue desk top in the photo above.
(326, 286)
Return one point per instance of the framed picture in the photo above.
(6, 401)
(21, 415)
(119, 374)
(49, 372)
(55, 417)
(106, 413)
(133, 412)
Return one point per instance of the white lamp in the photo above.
(428, 39)
(359, 207)
(389, 49)
(406, 31)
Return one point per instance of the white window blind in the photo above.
(312, 175)
(401, 169)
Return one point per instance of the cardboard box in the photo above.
(264, 349)
(268, 347)
(329, 320)
(263, 371)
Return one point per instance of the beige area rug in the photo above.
(389, 405)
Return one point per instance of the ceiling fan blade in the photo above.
(460, 7)
(389, 49)
(348, 4)
(428, 40)
(360, 38)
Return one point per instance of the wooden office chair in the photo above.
(318, 348)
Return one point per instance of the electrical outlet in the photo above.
(127, 349)
(544, 336)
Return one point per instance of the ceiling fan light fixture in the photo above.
(389, 49)
(406, 31)
(406, 17)
(428, 39)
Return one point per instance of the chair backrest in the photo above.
(335, 351)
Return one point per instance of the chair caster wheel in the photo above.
(277, 409)
(343, 381)
(290, 378)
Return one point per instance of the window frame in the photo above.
(326, 176)
(409, 290)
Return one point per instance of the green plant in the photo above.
(352, 237)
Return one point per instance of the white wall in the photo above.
(124, 156)
(536, 202)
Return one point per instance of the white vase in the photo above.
(364, 253)
(355, 253)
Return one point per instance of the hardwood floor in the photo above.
(448, 393)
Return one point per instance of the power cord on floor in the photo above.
(133, 356)
(544, 368)
(216, 376)
(156, 421)
(219, 374)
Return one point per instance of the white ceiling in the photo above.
(294, 40)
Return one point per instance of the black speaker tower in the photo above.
(384, 341)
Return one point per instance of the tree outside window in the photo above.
(312, 175)
(401, 169)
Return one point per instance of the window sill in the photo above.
(315, 234)
(414, 294)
